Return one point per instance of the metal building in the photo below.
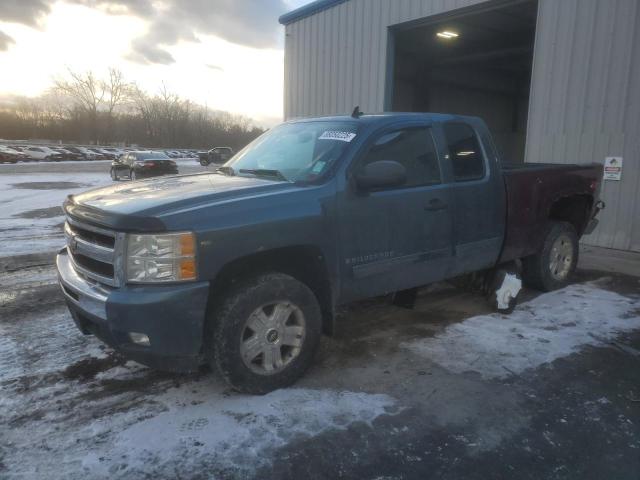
(557, 80)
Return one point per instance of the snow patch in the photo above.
(548, 327)
(28, 235)
(234, 432)
(131, 422)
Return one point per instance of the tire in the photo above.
(132, 175)
(114, 175)
(544, 272)
(236, 351)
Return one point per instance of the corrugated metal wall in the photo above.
(585, 98)
(336, 59)
(585, 101)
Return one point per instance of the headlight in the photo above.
(161, 258)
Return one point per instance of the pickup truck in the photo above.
(217, 156)
(243, 268)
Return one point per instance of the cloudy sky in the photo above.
(227, 54)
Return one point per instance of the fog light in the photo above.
(139, 339)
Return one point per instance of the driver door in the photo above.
(397, 238)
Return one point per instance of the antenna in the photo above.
(356, 112)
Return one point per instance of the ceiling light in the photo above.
(447, 34)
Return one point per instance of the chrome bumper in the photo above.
(88, 297)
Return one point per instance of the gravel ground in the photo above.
(447, 390)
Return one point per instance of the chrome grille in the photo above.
(96, 252)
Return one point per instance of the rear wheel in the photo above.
(265, 333)
(551, 268)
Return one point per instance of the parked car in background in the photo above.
(83, 151)
(217, 156)
(43, 153)
(100, 155)
(108, 153)
(10, 155)
(68, 154)
(112, 151)
(142, 164)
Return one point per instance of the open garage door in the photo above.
(474, 62)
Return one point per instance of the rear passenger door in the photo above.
(478, 198)
(400, 237)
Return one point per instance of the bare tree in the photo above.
(86, 92)
(83, 107)
(94, 96)
(118, 92)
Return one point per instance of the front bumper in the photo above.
(172, 316)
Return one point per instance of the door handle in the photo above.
(435, 204)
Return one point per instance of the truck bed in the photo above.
(535, 191)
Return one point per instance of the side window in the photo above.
(413, 148)
(464, 152)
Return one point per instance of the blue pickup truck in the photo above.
(243, 268)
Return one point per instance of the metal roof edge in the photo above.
(308, 10)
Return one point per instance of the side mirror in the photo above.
(381, 174)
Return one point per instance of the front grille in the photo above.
(101, 268)
(92, 236)
(96, 252)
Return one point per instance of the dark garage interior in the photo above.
(474, 62)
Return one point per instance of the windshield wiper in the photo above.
(264, 172)
(226, 171)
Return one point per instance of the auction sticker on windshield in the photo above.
(333, 135)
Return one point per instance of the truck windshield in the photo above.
(294, 151)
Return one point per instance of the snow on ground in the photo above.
(538, 332)
(72, 410)
(69, 411)
(227, 432)
(30, 213)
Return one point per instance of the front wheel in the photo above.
(265, 333)
(133, 175)
(114, 175)
(551, 267)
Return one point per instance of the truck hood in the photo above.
(129, 205)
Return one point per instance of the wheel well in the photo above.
(574, 210)
(304, 263)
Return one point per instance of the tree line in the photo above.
(83, 108)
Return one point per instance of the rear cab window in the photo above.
(465, 152)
